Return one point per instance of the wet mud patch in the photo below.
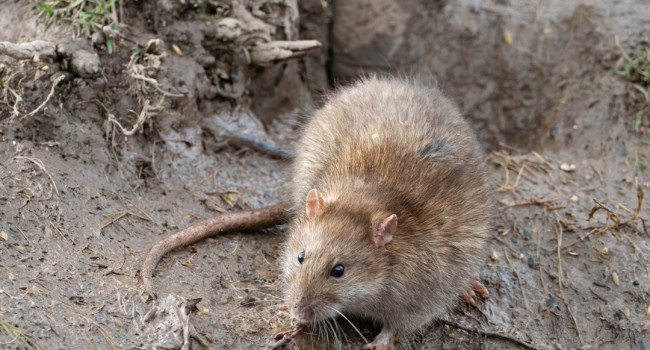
(82, 201)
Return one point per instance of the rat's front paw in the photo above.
(383, 341)
(474, 286)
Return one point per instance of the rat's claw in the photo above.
(474, 286)
(375, 346)
(479, 287)
(383, 341)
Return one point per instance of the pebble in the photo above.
(177, 50)
(507, 37)
(248, 301)
(531, 262)
(528, 234)
(140, 310)
(495, 256)
(601, 285)
(568, 168)
(550, 301)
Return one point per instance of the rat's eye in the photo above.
(301, 257)
(337, 271)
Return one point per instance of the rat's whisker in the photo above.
(326, 336)
(351, 324)
(341, 331)
(333, 325)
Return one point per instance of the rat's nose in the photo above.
(302, 311)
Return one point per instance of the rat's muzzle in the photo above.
(303, 310)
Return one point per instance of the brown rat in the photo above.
(392, 207)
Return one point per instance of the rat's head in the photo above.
(335, 259)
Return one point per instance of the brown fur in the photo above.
(378, 148)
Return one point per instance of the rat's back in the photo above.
(386, 133)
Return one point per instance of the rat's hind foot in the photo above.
(383, 341)
(475, 286)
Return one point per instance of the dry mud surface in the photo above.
(568, 261)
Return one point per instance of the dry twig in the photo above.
(286, 338)
(611, 215)
(575, 323)
(39, 163)
(521, 288)
(559, 233)
(490, 334)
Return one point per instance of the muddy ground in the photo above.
(81, 202)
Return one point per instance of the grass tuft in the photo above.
(635, 67)
(20, 339)
(88, 16)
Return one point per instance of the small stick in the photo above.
(49, 96)
(575, 323)
(521, 288)
(32, 50)
(272, 150)
(539, 263)
(234, 221)
(40, 165)
(122, 215)
(507, 180)
(490, 334)
(559, 255)
(285, 339)
(539, 156)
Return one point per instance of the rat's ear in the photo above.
(315, 203)
(384, 231)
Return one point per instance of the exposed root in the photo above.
(137, 73)
(17, 100)
(34, 50)
(9, 96)
(147, 111)
(56, 82)
(141, 63)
